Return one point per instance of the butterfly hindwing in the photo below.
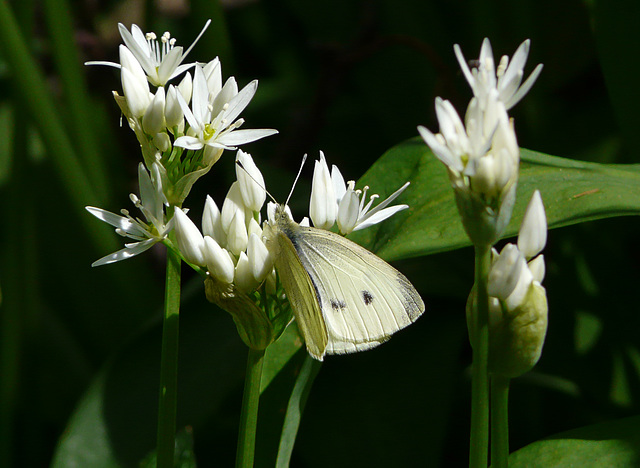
(302, 296)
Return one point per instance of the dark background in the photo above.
(351, 78)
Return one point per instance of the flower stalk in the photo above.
(499, 421)
(479, 331)
(167, 399)
(249, 411)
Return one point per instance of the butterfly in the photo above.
(344, 298)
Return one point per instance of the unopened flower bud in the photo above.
(260, 259)
(237, 236)
(533, 232)
(153, 120)
(212, 222)
(173, 112)
(218, 261)
(250, 181)
(244, 279)
(517, 336)
(323, 208)
(189, 239)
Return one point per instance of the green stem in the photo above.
(169, 364)
(499, 422)
(479, 440)
(249, 412)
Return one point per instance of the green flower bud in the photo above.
(516, 337)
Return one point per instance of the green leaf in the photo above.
(613, 443)
(114, 423)
(572, 191)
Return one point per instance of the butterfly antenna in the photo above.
(304, 159)
(239, 163)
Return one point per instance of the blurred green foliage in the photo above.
(351, 78)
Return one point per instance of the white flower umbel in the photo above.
(333, 200)
(482, 157)
(213, 113)
(151, 203)
(506, 78)
(160, 59)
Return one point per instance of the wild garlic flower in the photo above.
(333, 200)
(161, 59)
(518, 302)
(213, 113)
(506, 79)
(147, 233)
(482, 157)
(230, 244)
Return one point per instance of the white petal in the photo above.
(505, 272)
(188, 142)
(237, 236)
(153, 120)
(200, 98)
(240, 137)
(117, 221)
(380, 216)
(127, 252)
(240, 101)
(170, 63)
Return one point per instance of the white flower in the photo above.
(482, 154)
(250, 181)
(134, 83)
(532, 236)
(213, 114)
(189, 239)
(151, 204)
(354, 215)
(506, 79)
(334, 200)
(219, 262)
(323, 207)
(161, 60)
(260, 259)
(212, 222)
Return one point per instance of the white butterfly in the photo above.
(344, 298)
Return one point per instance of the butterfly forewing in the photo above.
(363, 299)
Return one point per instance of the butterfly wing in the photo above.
(363, 299)
(302, 295)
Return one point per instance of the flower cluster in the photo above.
(482, 158)
(185, 141)
(482, 153)
(230, 244)
(182, 129)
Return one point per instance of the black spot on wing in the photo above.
(337, 304)
(367, 297)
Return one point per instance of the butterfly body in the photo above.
(344, 298)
